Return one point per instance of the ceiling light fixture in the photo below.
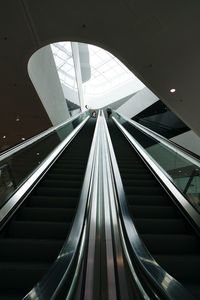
(23, 139)
(4, 136)
(172, 90)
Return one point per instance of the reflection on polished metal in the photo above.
(166, 284)
(191, 211)
(72, 253)
(30, 182)
(107, 198)
(36, 138)
(111, 198)
(118, 192)
(88, 294)
(100, 256)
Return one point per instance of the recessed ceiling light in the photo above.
(4, 136)
(172, 90)
(17, 119)
(23, 139)
(38, 153)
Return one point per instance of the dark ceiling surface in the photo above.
(157, 40)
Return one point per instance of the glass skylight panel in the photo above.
(64, 62)
(107, 72)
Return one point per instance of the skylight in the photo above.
(107, 72)
(62, 53)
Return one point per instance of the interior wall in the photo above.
(43, 73)
(71, 95)
(188, 140)
(137, 103)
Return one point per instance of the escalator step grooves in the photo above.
(168, 236)
(33, 238)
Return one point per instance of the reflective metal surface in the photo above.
(116, 183)
(165, 287)
(100, 271)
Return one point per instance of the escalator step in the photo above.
(64, 177)
(145, 190)
(46, 214)
(69, 168)
(71, 164)
(38, 230)
(171, 243)
(52, 202)
(137, 176)
(53, 191)
(140, 211)
(60, 183)
(29, 273)
(161, 226)
(133, 171)
(29, 250)
(66, 171)
(161, 200)
(182, 267)
(140, 182)
(133, 167)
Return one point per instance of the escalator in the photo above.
(32, 239)
(165, 231)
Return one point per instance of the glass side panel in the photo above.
(180, 168)
(15, 169)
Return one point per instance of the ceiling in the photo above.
(157, 40)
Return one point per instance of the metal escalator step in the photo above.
(71, 164)
(66, 172)
(132, 167)
(171, 244)
(134, 171)
(68, 167)
(137, 176)
(19, 276)
(60, 183)
(145, 190)
(157, 200)
(148, 211)
(64, 176)
(53, 191)
(46, 214)
(52, 202)
(161, 226)
(140, 182)
(29, 250)
(38, 230)
(182, 267)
